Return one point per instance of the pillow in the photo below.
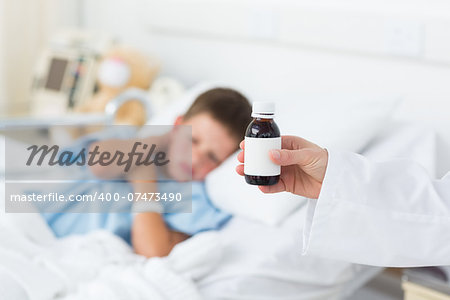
(229, 192)
(344, 121)
(167, 115)
(347, 122)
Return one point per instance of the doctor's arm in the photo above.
(388, 213)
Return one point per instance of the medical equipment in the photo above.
(66, 71)
(45, 129)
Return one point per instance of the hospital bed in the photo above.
(246, 259)
(82, 119)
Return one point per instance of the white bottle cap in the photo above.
(263, 109)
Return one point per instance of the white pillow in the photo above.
(344, 121)
(168, 114)
(229, 192)
(347, 122)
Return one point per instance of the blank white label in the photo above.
(256, 156)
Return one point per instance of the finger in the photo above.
(285, 157)
(240, 170)
(240, 156)
(242, 144)
(270, 189)
(291, 142)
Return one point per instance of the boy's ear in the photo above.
(178, 120)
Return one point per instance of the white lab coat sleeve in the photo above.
(386, 214)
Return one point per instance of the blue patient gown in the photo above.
(204, 216)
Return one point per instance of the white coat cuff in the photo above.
(319, 209)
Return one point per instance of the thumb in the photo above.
(286, 157)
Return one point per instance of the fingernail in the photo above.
(275, 154)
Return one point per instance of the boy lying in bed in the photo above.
(218, 119)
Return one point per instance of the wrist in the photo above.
(147, 206)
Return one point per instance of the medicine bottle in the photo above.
(262, 135)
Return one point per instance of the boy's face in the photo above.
(211, 145)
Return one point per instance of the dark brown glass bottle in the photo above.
(262, 135)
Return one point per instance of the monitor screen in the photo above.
(56, 74)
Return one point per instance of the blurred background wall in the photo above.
(2, 60)
(371, 46)
(25, 28)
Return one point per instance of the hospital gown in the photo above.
(203, 214)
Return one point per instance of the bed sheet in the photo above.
(95, 266)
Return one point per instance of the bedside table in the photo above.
(428, 283)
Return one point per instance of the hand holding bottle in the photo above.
(303, 165)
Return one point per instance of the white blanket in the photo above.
(96, 266)
(34, 265)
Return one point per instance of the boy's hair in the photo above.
(227, 106)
